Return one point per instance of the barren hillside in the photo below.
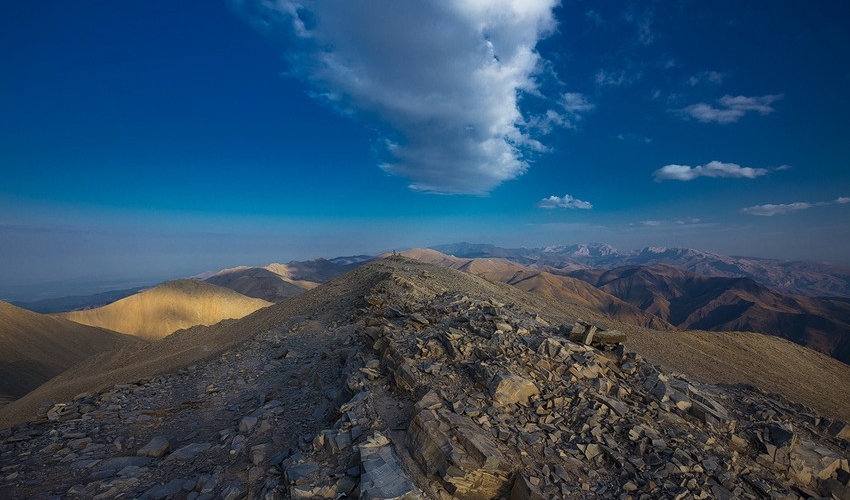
(159, 311)
(34, 348)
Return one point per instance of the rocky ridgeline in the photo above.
(427, 393)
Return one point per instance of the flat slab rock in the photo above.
(464, 459)
(507, 389)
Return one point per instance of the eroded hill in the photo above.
(159, 311)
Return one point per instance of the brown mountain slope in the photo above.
(692, 301)
(260, 283)
(171, 306)
(35, 348)
(770, 363)
(561, 288)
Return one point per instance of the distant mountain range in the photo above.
(811, 279)
(564, 289)
(695, 302)
(669, 297)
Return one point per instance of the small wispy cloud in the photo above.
(710, 169)
(706, 76)
(565, 201)
(687, 221)
(573, 106)
(770, 209)
(613, 78)
(642, 21)
(680, 222)
(594, 16)
(634, 138)
(730, 109)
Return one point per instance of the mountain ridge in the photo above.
(808, 278)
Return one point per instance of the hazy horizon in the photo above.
(89, 284)
(162, 139)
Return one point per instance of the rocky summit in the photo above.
(415, 384)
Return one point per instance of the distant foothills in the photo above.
(654, 287)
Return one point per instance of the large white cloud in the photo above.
(444, 76)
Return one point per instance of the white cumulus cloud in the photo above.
(565, 201)
(730, 108)
(444, 77)
(842, 200)
(710, 169)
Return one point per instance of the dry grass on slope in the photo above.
(169, 307)
(770, 363)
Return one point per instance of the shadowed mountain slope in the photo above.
(171, 306)
(692, 301)
(259, 282)
(35, 348)
(277, 282)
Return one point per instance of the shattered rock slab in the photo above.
(464, 458)
(382, 476)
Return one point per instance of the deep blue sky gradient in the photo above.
(142, 140)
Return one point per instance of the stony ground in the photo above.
(406, 381)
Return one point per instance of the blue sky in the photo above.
(143, 140)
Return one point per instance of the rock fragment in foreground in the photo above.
(455, 451)
(382, 475)
(507, 389)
